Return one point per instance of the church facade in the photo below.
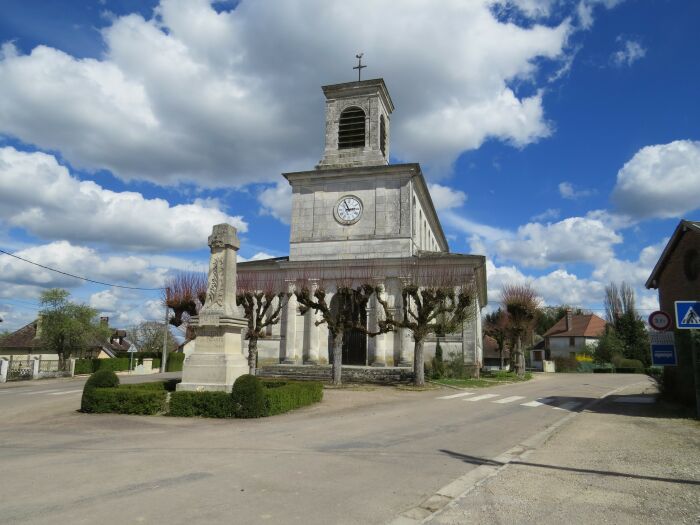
(355, 213)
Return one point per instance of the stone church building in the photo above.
(355, 212)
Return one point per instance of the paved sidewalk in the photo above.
(626, 460)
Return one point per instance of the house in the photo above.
(492, 356)
(570, 335)
(677, 273)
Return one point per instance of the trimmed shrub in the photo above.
(157, 385)
(291, 395)
(248, 396)
(117, 364)
(174, 363)
(84, 366)
(124, 401)
(102, 379)
(565, 364)
(202, 404)
(438, 364)
(629, 366)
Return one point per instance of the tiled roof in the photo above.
(25, 337)
(581, 326)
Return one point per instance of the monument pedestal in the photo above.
(218, 358)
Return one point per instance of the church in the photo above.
(357, 212)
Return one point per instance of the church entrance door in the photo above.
(354, 341)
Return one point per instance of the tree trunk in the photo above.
(337, 358)
(501, 354)
(252, 354)
(519, 362)
(418, 368)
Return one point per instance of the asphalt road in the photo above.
(360, 456)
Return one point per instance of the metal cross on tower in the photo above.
(359, 66)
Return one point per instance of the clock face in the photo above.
(348, 210)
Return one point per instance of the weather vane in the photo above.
(359, 66)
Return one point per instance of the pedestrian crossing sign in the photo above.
(687, 314)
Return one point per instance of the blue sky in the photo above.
(560, 138)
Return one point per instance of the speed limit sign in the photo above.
(660, 321)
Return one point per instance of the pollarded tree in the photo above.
(262, 296)
(354, 287)
(496, 325)
(521, 303)
(185, 293)
(435, 300)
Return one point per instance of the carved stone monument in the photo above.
(218, 356)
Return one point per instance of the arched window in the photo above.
(382, 135)
(351, 128)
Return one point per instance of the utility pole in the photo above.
(164, 358)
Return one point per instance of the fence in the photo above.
(19, 369)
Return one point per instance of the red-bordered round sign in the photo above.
(660, 321)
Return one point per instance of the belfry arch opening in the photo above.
(351, 128)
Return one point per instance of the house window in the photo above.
(537, 355)
(351, 129)
(382, 135)
(572, 341)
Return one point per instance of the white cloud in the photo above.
(446, 198)
(78, 260)
(575, 239)
(227, 98)
(567, 191)
(661, 181)
(40, 196)
(277, 201)
(630, 52)
(547, 215)
(633, 272)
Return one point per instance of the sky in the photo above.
(559, 138)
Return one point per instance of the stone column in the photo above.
(4, 367)
(405, 338)
(71, 366)
(35, 367)
(218, 359)
(289, 328)
(311, 332)
(379, 340)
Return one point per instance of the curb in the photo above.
(450, 494)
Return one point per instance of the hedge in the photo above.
(202, 404)
(278, 397)
(120, 364)
(117, 364)
(84, 366)
(124, 401)
(174, 363)
(288, 396)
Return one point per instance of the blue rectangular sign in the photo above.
(663, 355)
(687, 314)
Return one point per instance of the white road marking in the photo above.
(65, 392)
(571, 405)
(461, 394)
(509, 399)
(483, 396)
(538, 403)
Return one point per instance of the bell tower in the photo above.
(357, 124)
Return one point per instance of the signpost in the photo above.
(663, 349)
(660, 321)
(132, 350)
(688, 318)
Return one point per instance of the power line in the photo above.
(78, 276)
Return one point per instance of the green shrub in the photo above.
(117, 364)
(565, 364)
(202, 404)
(438, 365)
(84, 366)
(174, 363)
(632, 364)
(102, 379)
(455, 367)
(602, 370)
(157, 385)
(248, 397)
(124, 401)
(291, 395)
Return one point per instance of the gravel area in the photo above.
(624, 461)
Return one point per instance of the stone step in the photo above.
(350, 374)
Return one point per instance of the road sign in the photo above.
(688, 314)
(660, 321)
(663, 349)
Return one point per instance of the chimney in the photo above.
(104, 321)
(569, 320)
